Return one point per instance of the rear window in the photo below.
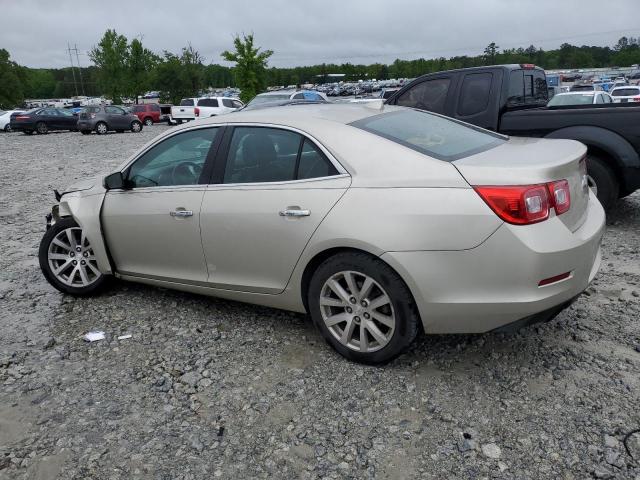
(208, 102)
(527, 87)
(186, 102)
(433, 135)
(582, 88)
(626, 92)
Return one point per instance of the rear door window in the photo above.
(313, 163)
(186, 102)
(474, 94)
(208, 102)
(429, 95)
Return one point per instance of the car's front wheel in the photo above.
(68, 261)
(362, 307)
(136, 126)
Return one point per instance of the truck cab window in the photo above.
(429, 95)
(474, 95)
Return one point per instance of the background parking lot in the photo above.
(210, 388)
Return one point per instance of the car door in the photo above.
(272, 188)
(152, 227)
(117, 118)
(67, 120)
(50, 117)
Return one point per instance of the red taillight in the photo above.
(196, 111)
(527, 204)
(636, 99)
(519, 205)
(22, 117)
(560, 196)
(527, 66)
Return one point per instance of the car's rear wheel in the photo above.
(67, 259)
(602, 181)
(101, 128)
(136, 126)
(362, 307)
(42, 128)
(148, 122)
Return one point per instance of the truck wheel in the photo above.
(602, 181)
(148, 122)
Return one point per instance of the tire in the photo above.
(148, 122)
(398, 312)
(101, 128)
(72, 279)
(136, 126)
(7, 128)
(42, 128)
(85, 132)
(603, 181)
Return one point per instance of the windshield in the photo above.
(433, 135)
(582, 99)
(260, 99)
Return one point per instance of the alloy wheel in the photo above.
(72, 260)
(357, 311)
(136, 127)
(41, 127)
(101, 128)
(148, 122)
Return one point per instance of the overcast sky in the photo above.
(36, 32)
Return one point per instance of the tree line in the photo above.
(124, 68)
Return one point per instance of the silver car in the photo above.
(377, 220)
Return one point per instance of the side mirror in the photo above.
(115, 181)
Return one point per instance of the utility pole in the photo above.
(72, 69)
(79, 69)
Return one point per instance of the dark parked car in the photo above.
(102, 119)
(42, 120)
(151, 113)
(511, 99)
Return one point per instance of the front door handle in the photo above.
(295, 212)
(181, 213)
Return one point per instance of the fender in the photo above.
(85, 210)
(626, 158)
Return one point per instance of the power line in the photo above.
(73, 72)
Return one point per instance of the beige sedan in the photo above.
(377, 220)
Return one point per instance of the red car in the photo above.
(151, 113)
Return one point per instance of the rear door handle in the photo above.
(181, 213)
(294, 212)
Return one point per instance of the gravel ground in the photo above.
(210, 388)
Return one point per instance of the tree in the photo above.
(622, 44)
(11, 93)
(192, 73)
(490, 53)
(250, 66)
(111, 58)
(139, 65)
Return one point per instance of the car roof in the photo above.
(303, 114)
(580, 92)
(279, 92)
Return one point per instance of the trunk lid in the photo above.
(530, 161)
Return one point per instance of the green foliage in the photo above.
(179, 76)
(250, 66)
(11, 81)
(140, 62)
(111, 57)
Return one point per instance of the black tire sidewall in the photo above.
(136, 122)
(407, 318)
(43, 259)
(605, 180)
(46, 129)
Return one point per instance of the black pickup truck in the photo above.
(512, 99)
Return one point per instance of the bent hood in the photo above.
(92, 183)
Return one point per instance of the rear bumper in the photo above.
(496, 283)
(18, 127)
